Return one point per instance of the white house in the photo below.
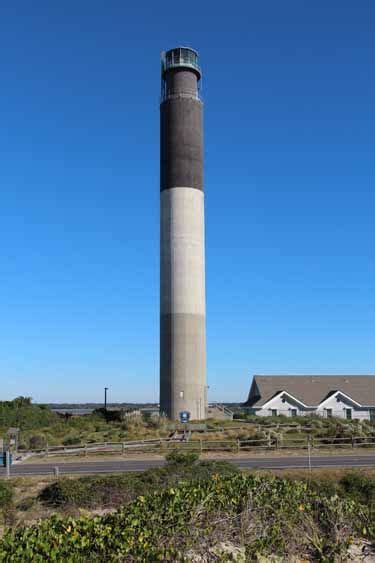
(343, 396)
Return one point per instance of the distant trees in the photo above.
(23, 414)
(19, 402)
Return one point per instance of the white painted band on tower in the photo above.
(182, 251)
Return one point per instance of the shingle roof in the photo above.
(312, 389)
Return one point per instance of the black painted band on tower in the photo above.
(181, 124)
(181, 161)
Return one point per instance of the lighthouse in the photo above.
(182, 235)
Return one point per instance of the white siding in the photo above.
(283, 405)
(339, 409)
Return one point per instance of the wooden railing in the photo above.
(251, 444)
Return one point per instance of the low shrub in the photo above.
(264, 515)
(116, 490)
(37, 441)
(26, 504)
(71, 440)
(360, 487)
(91, 491)
(6, 494)
(177, 457)
(23, 414)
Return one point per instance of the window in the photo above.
(274, 412)
(329, 413)
(293, 412)
(372, 414)
(349, 414)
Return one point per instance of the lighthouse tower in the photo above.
(182, 253)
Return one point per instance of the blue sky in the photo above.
(289, 93)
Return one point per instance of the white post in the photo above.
(7, 461)
(309, 454)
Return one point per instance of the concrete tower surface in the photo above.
(182, 264)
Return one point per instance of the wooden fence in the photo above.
(270, 443)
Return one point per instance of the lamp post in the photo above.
(105, 398)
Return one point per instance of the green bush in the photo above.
(92, 491)
(37, 441)
(116, 490)
(6, 494)
(266, 515)
(360, 487)
(109, 415)
(23, 414)
(71, 440)
(177, 457)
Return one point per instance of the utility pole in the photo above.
(105, 398)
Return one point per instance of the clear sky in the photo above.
(289, 92)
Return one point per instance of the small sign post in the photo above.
(184, 417)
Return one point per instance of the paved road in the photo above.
(139, 465)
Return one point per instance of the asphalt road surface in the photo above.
(90, 467)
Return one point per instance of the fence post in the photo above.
(47, 449)
(238, 445)
(86, 452)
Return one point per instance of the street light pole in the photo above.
(105, 398)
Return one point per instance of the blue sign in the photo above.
(184, 416)
(6, 457)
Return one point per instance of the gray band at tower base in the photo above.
(182, 365)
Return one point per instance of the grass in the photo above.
(90, 429)
(40, 426)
